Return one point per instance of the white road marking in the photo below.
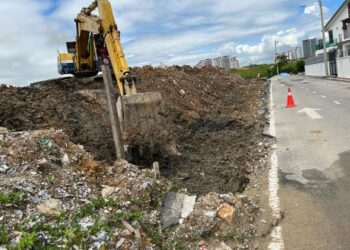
(311, 113)
(304, 81)
(276, 242)
(336, 102)
(314, 92)
(323, 96)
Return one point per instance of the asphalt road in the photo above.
(313, 151)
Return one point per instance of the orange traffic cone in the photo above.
(290, 100)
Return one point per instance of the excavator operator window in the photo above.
(71, 47)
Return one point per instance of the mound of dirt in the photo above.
(215, 117)
(218, 120)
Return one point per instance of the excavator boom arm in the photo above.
(105, 24)
(112, 40)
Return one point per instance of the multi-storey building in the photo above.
(309, 47)
(225, 62)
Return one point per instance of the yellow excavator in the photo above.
(98, 39)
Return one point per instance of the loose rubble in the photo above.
(76, 203)
(46, 201)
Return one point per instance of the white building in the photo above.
(337, 44)
(293, 54)
(225, 62)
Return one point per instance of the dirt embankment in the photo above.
(215, 117)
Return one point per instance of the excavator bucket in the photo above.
(140, 115)
(144, 131)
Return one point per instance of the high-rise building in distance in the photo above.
(226, 62)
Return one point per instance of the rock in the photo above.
(145, 185)
(188, 205)
(65, 160)
(43, 161)
(19, 213)
(171, 148)
(86, 222)
(211, 200)
(182, 92)
(223, 246)
(108, 191)
(176, 207)
(171, 209)
(226, 212)
(210, 214)
(41, 193)
(101, 236)
(51, 207)
(120, 243)
(4, 168)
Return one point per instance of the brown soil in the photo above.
(215, 117)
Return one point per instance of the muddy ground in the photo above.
(215, 117)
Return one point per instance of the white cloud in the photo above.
(153, 32)
(314, 10)
(264, 50)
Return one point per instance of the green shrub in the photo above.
(300, 66)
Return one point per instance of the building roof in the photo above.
(336, 13)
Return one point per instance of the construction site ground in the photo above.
(58, 161)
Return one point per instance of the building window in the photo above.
(330, 35)
(347, 50)
(340, 52)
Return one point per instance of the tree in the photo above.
(282, 59)
(300, 66)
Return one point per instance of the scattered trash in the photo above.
(45, 142)
(284, 75)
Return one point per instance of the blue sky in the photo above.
(53, 6)
(156, 31)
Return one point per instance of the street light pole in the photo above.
(324, 38)
(278, 71)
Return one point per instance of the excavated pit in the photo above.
(215, 118)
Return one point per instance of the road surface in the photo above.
(313, 155)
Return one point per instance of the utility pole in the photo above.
(112, 108)
(324, 39)
(278, 70)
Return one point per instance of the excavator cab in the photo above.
(67, 63)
